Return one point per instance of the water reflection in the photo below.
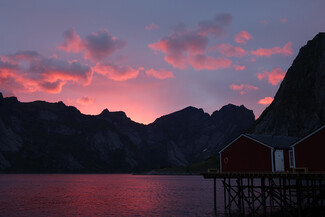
(106, 195)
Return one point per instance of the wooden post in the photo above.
(229, 194)
(242, 195)
(215, 195)
(307, 192)
(224, 193)
(285, 197)
(299, 195)
(321, 191)
(253, 194)
(249, 193)
(238, 195)
(263, 195)
(280, 187)
(271, 192)
(290, 187)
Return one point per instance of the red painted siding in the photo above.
(310, 153)
(246, 155)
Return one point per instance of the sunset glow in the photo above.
(153, 58)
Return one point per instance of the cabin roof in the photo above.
(280, 142)
(308, 135)
(277, 142)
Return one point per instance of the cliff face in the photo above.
(53, 137)
(299, 104)
(190, 135)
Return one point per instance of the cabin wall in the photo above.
(310, 153)
(246, 155)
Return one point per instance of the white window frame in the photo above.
(291, 159)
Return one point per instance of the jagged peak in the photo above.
(104, 112)
(117, 115)
(61, 103)
(11, 99)
(186, 110)
(231, 107)
(45, 103)
(183, 114)
(320, 35)
(191, 109)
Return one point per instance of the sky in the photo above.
(151, 58)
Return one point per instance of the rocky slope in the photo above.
(299, 104)
(53, 137)
(191, 135)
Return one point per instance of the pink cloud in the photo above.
(286, 50)
(243, 37)
(27, 71)
(183, 47)
(266, 101)
(72, 42)
(239, 67)
(6, 65)
(51, 87)
(201, 62)
(274, 77)
(96, 46)
(14, 82)
(116, 73)
(284, 20)
(151, 27)
(160, 73)
(9, 81)
(178, 45)
(85, 100)
(229, 50)
(243, 88)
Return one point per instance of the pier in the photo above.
(261, 194)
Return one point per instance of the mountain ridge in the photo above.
(299, 104)
(52, 137)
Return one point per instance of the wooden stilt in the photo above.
(297, 193)
(224, 193)
(215, 194)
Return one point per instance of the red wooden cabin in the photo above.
(256, 153)
(309, 151)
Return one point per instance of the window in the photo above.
(291, 159)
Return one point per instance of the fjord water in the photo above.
(106, 195)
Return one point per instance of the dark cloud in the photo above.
(52, 87)
(216, 26)
(96, 46)
(185, 47)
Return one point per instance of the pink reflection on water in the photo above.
(105, 195)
